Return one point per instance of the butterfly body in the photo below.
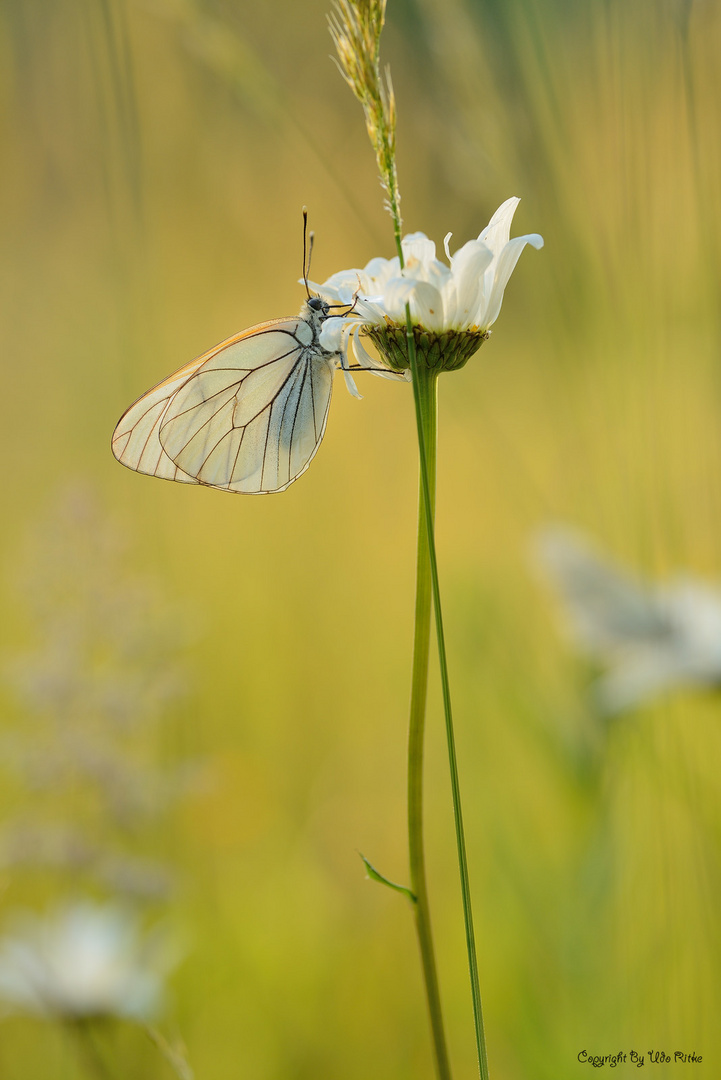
(248, 416)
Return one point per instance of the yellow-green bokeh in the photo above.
(157, 154)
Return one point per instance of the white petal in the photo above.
(349, 381)
(350, 384)
(366, 312)
(498, 230)
(418, 246)
(414, 269)
(331, 333)
(345, 284)
(436, 273)
(396, 296)
(425, 301)
(339, 288)
(329, 292)
(505, 267)
(376, 267)
(430, 270)
(473, 259)
(362, 355)
(369, 309)
(377, 272)
(427, 306)
(337, 338)
(464, 294)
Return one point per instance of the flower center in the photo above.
(446, 351)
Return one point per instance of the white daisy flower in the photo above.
(452, 306)
(81, 961)
(649, 638)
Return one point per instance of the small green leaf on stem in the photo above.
(375, 875)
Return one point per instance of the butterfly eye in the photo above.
(316, 304)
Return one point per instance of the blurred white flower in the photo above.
(81, 961)
(464, 296)
(649, 637)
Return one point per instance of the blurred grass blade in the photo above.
(174, 1055)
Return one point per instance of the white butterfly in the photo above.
(248, 416)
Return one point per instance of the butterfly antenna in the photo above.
(307, 250)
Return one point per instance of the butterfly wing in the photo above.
(247, 417)
(136, 443)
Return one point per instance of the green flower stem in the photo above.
(427, 392)
(426, 404)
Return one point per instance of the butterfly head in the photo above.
(318, 306)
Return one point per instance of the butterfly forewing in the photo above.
(246, 417)
(136, 442)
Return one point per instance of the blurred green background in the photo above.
(156, 156)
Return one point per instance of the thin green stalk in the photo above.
(355, 27)
(426, 426)
(419, 690)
